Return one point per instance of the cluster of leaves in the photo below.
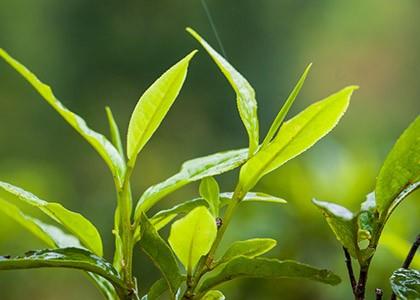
(187, 259)
(360, 232)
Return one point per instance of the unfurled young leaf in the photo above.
(153, 106)
(400, 173)
(114, 132)
(343, 223)
(406, 284)
(285, 109)
(242, 267)
(192, 236)
(209, 191)
(161, 255)
(248, 248)
(214, 295)
(294, 137)
(192, 170)
(73, 222)
(105, 149)
(245, 94)
(73, 258)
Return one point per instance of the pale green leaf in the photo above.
(191, 171)
(249, 248)
(214, 295)
(343, 223)
(285, 108)
(73, 222)
(406, 284)
(259, 267)
(192, 236)
(209, 191)
(74, 258)
(154, 105)
(245, 94)
(114, 132)
(400, 170)
(255, 197)
(161, 254)
(294, 137)
(105, 149)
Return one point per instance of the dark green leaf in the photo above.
(161, 254)
(105, 149)
(285, 109)
(73, 258)
(265, 268)
(245, 94)
(406, 284)
(156, 290)
(343, 223)
(400, 171)
(74, 222)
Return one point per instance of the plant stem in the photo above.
(350, 270)
(379, 293)
(361, 284)
(409, 258)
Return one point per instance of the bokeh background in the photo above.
(97, 53)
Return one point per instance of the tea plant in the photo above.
(360, 232)
(188, 261)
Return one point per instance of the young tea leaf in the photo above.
(154, 105)
(214, 295)
(406, 284)
(259, 267)
(161, 254)
(343, 223)
(248, 248)
(294, 137)
(114, 132)
(209, 190)
(192, 236)
(285, 109)
(245, 94)
(73, 222)
(255, 197)
(105, 149)
(401, 169)
(192, 170)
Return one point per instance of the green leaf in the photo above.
(406, 284)
(259, 267)
(154, 105)
(73, 258)
(192, 236)
(285, 109)
(105, 149)
(107, 289)
(255, 197)
(209, 190)
(161, 254)
(401, 169)
(343, 223)
(367, 218)
(191, 171)
(156, 290)
(163, 217)
(214, 295)
(245, 94)
(73, 222)
(114, 132)
(248, 248)
(294, 137)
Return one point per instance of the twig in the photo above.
(409, 258)
(379, 293)
(350, 270)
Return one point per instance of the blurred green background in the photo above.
(97, 53)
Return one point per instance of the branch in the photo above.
(379, 293)
(350, 270)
